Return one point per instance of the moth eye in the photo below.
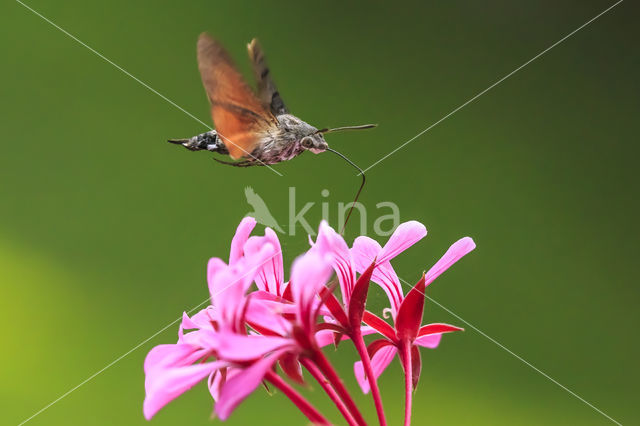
(307, 142)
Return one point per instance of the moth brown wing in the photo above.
(267, 90)
(237, 113)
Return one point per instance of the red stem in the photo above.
(317, 374)
(305, 406)
(361, 347)
(327, 369)
(405, 349)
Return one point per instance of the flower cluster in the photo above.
(237, 341)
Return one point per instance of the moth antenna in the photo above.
(355, 200)
(339, 129)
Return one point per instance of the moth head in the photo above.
(314, 143)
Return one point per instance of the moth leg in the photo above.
(244, 163)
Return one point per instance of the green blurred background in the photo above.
(105, 228)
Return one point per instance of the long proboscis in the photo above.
(339, 129)
(355, 200)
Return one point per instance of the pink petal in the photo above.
(364, 251)
(217, 380)
(237, 388)
(325, 338)
(385, 276)
(230, 284)
(164, 385)
(188, 323)
(163, 356)
(252, 263)
(455, 253)
(214, 267)
(270, 276)
(276, 304)
(207, 339)
(237, 347)
(202, 319)
(331, 243)
(214, 382)
(242, 234)
(405, 235)
(430, 341)
(366, 330)
(379, 362)
(267, 314)
(309, 274)
(227, 296)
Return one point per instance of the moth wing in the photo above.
(237, 113)
(267, 90)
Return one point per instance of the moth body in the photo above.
(209, 141)
(290, 138)
(253, 127)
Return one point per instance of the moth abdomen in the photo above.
(209, 141)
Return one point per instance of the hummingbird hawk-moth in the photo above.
(256, 129)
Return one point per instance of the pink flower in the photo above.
(237, 341)
(365, 250)
(408, 334)
(374, 265)
(407, 312)
(243, 360)
(171, 370)
(309, 274)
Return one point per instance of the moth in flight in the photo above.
(255, 129)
